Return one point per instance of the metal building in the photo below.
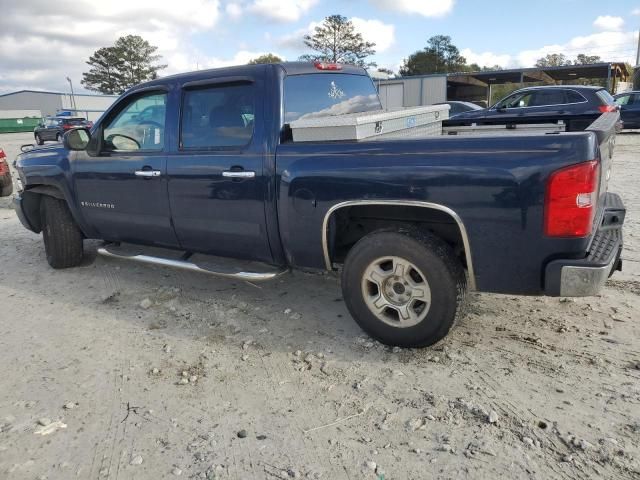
(51, 103)
(477, 86)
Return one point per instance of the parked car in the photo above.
(53, 128)
(577, 106)
(411, 222)
(460, 107)
(629, 103)
(6, 185)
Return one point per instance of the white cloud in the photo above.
(234, 10)
(382, 34)
(427, 8)
(486, 59)
(636, 11)
(294, 40)
(610, 46)
(608, 23)
(282, 10)
(40, 54)
(240, 58)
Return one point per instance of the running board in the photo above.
(221, 267)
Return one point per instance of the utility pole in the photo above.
(638, 52)
(73, 97)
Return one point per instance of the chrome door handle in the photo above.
(148, 173)
(238, 174)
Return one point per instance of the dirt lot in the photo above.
(221, 379)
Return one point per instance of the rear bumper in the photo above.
(19, 208)
(586, 277)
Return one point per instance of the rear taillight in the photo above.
(2, 154)
(570, 200)
(66, 126)
(327, 66)
(607, 108)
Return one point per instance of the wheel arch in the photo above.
(327, 232)
(31, 199)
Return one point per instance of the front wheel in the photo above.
(39, 140)
(404, 289)
(62, 237)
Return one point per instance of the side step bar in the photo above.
(226, 271)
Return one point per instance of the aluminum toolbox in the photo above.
(413, 122)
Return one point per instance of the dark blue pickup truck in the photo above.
(213, 173)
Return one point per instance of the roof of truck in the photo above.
(290, 68)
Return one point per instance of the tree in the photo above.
(583, 59)
(130, 61)
(103, 76)
(266, 58)
(439, 56)
(337, 41)
(553, 60)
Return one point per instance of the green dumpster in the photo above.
(13, 125)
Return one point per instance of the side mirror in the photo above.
(77, 139)
(501, 108)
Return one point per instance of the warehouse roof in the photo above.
(58, 93)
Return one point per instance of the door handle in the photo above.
(238, 174)
(148, 173)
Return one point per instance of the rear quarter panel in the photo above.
(495, 184)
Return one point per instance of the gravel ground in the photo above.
(121, 371)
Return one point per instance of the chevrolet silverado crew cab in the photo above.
(214, 174)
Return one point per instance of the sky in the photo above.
(42, 41)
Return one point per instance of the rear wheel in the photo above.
(58, 137)
(39, 140)
(62, 237)
(404, 288)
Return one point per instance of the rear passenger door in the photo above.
(217, 186)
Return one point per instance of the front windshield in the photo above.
(328, 94)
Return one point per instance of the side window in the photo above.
(217, 116)
(517, 100)
(574, 97)
(543, 98)
(134, 129)
(623, 100)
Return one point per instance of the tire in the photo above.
(58, 137)
(39, 140)
(431, 295)
(62, 237)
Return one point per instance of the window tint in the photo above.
(543, 98)
(517, 100)
(605, 97)
(129, 131)
(328, 94)
(574, 97)
(220, 116)
(455, 109)
(623, 100)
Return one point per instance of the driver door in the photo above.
(122, 188)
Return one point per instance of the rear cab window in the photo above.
(328, 94)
